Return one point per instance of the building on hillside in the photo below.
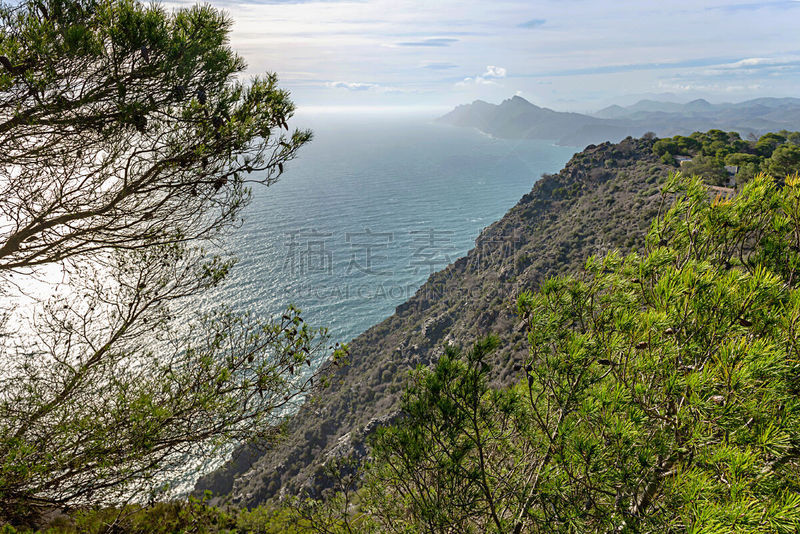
(732, 171)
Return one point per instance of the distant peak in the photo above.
(700, 102)
(517, 100)
(475, 104)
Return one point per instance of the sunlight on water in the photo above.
(356, 225)
(368, 211)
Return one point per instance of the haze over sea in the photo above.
(371, 207)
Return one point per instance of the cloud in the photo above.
(352, 86)
(755, 66)
(691, 86)
(749, 62)
(477, 80)
(494, 72)
(778, 4)
(533, 23)
(755, 63)
(349, 50)
(630, 67)
(432, 41)
(438, 65)
(374, 88)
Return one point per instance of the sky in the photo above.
(570, 55)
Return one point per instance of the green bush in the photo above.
(660, 394)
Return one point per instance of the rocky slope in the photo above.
(604, 198)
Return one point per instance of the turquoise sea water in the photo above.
(370, 208)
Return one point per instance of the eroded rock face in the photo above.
(342, 459)
(603, 199)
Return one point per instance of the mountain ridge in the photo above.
(519, 118)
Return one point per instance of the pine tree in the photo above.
(126, 147)
(660, 394)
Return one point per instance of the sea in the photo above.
(370, 208)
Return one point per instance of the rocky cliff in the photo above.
(603, 199)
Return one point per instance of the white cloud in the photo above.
(491, 74)
(372, 88)
(494, 72)
(477, 80)
(431, 41)
(352, 86)
(438, 65)
(688, 86)
(747, 63)
(356, 46)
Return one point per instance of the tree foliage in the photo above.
(126, 147)
(121, 127)
(660, 394)
(451, 454)
(785, 160)
(707, 167)
(774, 153)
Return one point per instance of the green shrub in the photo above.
(660, 394)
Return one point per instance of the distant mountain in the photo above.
(518, 118)
(611, 112)
(698, 105)
(654, 106)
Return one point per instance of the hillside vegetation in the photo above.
(653, 390)
(603, 199)
(777, 154)
(660, 393)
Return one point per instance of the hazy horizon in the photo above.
(432, 112)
